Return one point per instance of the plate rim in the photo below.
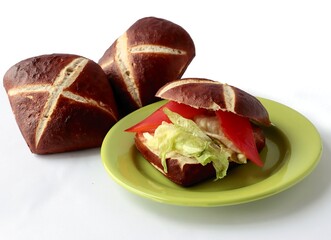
(197, 202)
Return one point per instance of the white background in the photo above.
(279, 50)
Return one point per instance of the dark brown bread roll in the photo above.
(186, 173)
(61, 102)
(150, 53)
(212, 95)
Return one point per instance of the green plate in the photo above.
(293, 149)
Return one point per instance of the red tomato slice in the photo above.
(239, 130)
(150, 123)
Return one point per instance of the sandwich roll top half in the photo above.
(214, 96)
(204, 128)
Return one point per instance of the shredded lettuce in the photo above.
(183, 136)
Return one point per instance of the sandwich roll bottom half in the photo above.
(205, 128)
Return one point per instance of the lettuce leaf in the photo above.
(184, 137)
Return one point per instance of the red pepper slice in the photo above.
(150, 123)
(239, 130)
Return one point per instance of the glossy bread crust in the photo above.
(61, 102)
(212, 95)
(149, 54)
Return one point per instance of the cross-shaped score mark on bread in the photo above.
(123, 51)
(225, 90)
(63, 80)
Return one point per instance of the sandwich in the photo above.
(204, 129)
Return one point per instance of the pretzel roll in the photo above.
(185, 173)
(150, 53)
(213, 95)
(183, 170)
(61, 102)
